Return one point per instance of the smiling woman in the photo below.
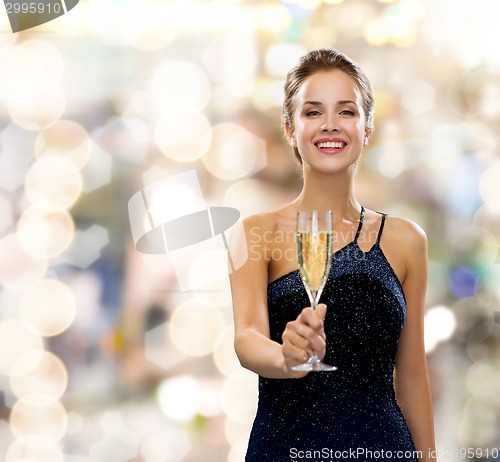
(378, 400)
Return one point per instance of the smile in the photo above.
(331, 145)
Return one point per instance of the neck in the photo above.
(329, 191)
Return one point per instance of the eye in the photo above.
(347, 112)
(312, 113)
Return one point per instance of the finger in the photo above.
(313, 318)
(321, 310)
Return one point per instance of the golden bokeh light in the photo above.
(49, 306)
(180, 85)
(239, 396)
(178, 398)
(67, 139)
(234, 153)
(19, 269)
(38, 108)
(29, 66)
(183, 135)
(35, 448)
(224, 355)
(280, 57)
(274, 18)
(195, 338)
(199, 277)
(38, 415)
(141, 25)
(53, 184)
(45, 235)
(39, 372)
(18, 338)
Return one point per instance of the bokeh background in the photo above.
(108, 354)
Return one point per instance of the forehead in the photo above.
(329, 86)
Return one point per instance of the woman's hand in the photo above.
(303, 337)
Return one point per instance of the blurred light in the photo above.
(308, 4)
(234, 153)
(208, 267)
(396, 25)
(118, 442)
(267, 94)
(49, 306)
(66, 139)
(474, 246)
(239, 63)
(53, 184)
(86, 247)
(171, 445)
(141, 25)
(249, 196)
(38, 415)
(239, 396)
(274, 18)
(18, 338)
(484, 376)
(159, 350)
(478, 425)
(97, 171)
(489, 187)
(45, 235)
(209, 404)
(238, 449)
(333, 2)
(36, 448)
(18, 269)
(224, 355)
(280, 57)
(195, 338)
(235, 431)
(37, 109)
(178, 398)
(418, 96)
(6, 217)
(439, 325)
(39, 372)
(183, 135)
(124, 137)
(463, 282)
(16, 146)
(472, 313)
(180, 86)
(28, 69)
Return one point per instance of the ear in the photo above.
(290, 136)
(368, 133)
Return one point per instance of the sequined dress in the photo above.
(351, 413)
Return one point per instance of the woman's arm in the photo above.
(411, 376)
(249, 254)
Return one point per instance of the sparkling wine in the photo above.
(314, 254)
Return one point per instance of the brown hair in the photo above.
(325, 59)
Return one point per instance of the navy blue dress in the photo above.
(351, 413)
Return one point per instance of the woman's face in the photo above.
(329, 122)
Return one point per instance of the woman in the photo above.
(377, 405)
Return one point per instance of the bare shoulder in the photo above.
(405, 232)
(405, 245)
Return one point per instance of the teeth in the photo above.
(330, 144)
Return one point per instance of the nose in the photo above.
(329, 125)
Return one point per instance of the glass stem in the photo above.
(314, 303)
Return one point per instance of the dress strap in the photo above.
(361, 217)
(381, 228)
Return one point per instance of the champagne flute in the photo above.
(314, 249)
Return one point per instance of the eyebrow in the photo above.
(338, 103)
